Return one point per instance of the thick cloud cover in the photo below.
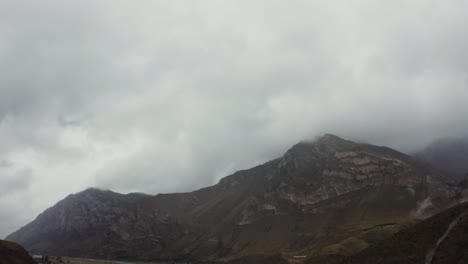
(165, 96)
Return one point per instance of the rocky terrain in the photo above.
(12, 253)
(330, 197)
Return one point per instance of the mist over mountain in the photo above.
(449, 155)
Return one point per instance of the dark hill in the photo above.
(12, 253)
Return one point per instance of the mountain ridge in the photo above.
(292, 204)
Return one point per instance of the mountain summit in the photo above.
(329, 196)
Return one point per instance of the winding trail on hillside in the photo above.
(430, 253)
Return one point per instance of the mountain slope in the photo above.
(78, 223)
(416, 244)
(321, 197)
(12, 253)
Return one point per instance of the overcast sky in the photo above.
(166, 96)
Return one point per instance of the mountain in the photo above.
(80, 221)
(448, 155)
(329, 196)
(439, 239)
(12, 253)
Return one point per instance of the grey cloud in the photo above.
(13, 180)
(5, 164)
(161, 97)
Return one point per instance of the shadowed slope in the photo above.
(12, 253)
(413, 244)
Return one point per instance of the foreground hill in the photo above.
(415, 244)
(12, 253)
(330, 196)
(440, 239)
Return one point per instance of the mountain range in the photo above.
(326, 201)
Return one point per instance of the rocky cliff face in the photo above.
(78, 219)
(321, 197)
(331, 167)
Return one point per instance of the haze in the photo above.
(170, 96)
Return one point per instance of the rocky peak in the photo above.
(93, 191)
(311, 153)
(330, 166)
(79, 214)
(330, 139)
(92, 194)
(96, 195)
(324, 145)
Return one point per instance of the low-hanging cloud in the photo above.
(156, 96)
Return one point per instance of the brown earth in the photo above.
(12, 253)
